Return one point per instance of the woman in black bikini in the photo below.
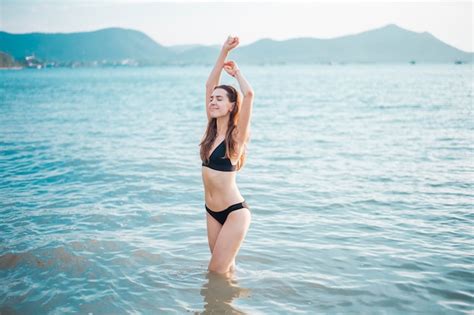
(223, 153)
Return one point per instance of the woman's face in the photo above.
(219, 104)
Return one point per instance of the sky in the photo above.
(209, 23)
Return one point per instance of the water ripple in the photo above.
(360, 192)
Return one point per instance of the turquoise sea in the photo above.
(359, 178)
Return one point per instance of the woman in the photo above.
(223, 154)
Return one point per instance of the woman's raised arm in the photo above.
(215, 75)
(243, 125)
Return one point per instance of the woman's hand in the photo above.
(231, 67)
(230, 43)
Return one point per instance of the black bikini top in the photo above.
(218, 161)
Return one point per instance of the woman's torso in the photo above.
(220, 188)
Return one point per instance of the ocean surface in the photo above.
(359, 179)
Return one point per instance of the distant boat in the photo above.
(412, 62)
(459, 62)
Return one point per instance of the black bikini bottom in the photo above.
(221, 216)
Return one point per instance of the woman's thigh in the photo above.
(213, 229)
(230, 237)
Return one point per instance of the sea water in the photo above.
(359, 179)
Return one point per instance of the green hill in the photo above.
(387, 44)
(113, 44)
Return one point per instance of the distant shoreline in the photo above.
(250, 64)
(12, 68)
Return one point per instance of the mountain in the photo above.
(7, 61)
(387, 44)
(112, 44)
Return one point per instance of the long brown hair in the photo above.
(211, 130)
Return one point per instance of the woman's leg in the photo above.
(213, 229)
(229, 240)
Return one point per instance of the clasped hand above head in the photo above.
(230, 66)
(230, 43)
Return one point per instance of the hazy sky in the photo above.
(197, 22)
